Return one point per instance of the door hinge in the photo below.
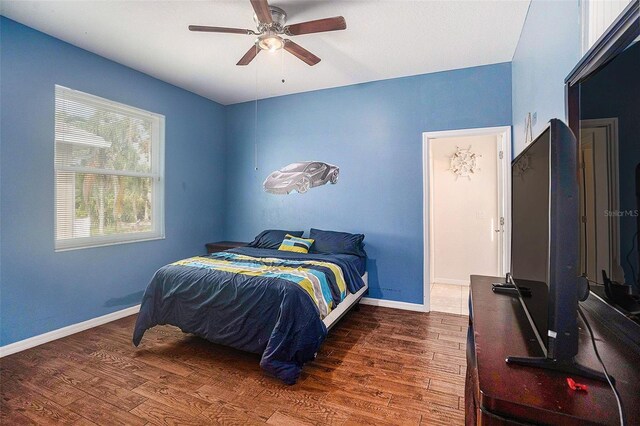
(502, 221)
(501, 155)
(583, 219)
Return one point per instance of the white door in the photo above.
(467, 193)
(465, 212)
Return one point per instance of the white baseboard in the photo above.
(65, 331)
(393, 304)
(40, 339)
(450, 281)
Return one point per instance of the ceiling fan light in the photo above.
(270, 42)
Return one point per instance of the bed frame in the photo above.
(346, 305)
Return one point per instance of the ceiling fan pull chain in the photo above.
(255, 142)
(282, 64)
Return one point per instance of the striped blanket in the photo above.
(263, 301)
(315, 282)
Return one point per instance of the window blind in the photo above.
(108, 171)
(597, 16)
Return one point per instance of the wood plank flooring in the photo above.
(378, 366)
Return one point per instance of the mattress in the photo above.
(348, 302)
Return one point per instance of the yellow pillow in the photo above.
(295, 244)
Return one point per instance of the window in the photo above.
(597, 16)
(109, 186)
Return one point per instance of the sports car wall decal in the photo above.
(301, 177)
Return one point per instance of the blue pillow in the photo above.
(331, 242)
(272, 238)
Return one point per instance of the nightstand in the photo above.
(223, 245)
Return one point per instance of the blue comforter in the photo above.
(264, 313)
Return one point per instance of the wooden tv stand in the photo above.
(501, 393)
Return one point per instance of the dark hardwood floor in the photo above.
(378, 366)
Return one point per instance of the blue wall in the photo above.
(548, 49)
(43, 290)
(373, 132)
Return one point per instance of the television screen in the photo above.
(610, 173)
(545, 238)
(530, 228)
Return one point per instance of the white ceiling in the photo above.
(383, 39)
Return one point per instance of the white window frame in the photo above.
(156, 174)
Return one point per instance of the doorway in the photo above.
(599, 191)
(467, 188)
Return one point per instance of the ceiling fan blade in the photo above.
(248, 57)
(317, 26)
(301, 53)
(219, 29)
(261, 7)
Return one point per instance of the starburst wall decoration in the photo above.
(464, 162)
(522, 165)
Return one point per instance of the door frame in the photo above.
(504, 196)
(610, 124)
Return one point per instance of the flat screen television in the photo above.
(603, 106)
(545, 246)
(610, 180)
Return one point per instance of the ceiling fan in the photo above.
(270, 22)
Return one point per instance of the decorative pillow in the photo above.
(271, 238)
(295, 244)
(331, 242)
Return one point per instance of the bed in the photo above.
(274, 303)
